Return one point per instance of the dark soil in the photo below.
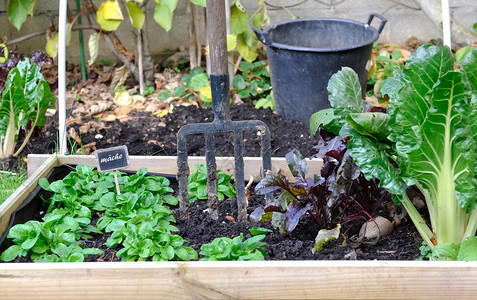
(144, 134)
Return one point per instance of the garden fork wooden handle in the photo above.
(217, 37)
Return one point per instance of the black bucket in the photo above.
(303, 55)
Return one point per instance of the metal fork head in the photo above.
(221, 123)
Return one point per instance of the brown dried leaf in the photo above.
(99, 108)
(88, 148)
(72, 121)
(119, 77)
(73, 135)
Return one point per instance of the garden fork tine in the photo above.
(219, 82)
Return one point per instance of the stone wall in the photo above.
(405, 19)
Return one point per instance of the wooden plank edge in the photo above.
(22, 192)
(168, 164)
(241, 280)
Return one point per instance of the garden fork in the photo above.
(219, 82)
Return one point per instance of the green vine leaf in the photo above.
(199, 2)
(136, 16)
(164, 13)
(18, 10)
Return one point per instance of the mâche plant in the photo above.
(53, 240)
(428, 139)
(235, 249)
(139, 219)
(197, 184)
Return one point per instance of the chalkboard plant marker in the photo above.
(112, 159)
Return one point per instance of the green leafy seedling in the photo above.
(197, 184)
(235, 249)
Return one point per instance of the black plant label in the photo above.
(113, 158)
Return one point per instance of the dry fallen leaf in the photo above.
(88, 148)
(72, 134)
(99, 108)
(122, 98)
(72, 121)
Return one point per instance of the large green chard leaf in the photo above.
(429, 120)
(345, 94)
(372, 158)
(424, 67)
(469, 68)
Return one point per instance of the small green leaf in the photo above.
(445, 251)
(247, 45)
(199, 2)
(199, 81)
(461, 53)
(239, 83)
(327, 119)
(345, 94)
(238, 20)
(325, 236)
(11, 253)
(370, 124)
(136, 16)
(182, 253)
(468, 249)
(167, 252)
(163, 13)
(29, 243)
(43, 182)
(18, 10)
(259, 230)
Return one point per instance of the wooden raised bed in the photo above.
(223, 280)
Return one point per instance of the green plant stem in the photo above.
(418, 221)
(81, 44)
(27, 138)
(471, 225)
(9, 142)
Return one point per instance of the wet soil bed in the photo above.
(144, 134)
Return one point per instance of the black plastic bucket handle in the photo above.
(383, 21)
(262, 36)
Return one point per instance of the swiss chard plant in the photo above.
(427, 139)
(25, 98)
